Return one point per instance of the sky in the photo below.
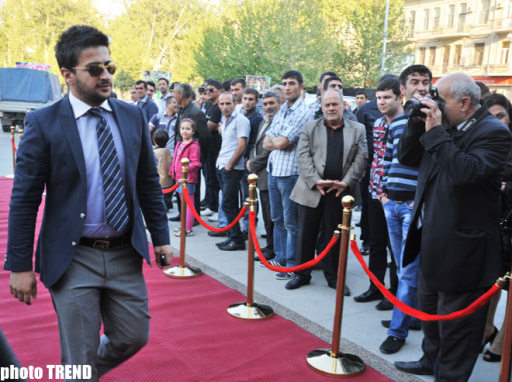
(110, 8)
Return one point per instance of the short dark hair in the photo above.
(237, 81)
(193, 95)
(151, 83)
(174, 84)
(186, 90)
(420, 69)
(231, 94)
(169, 99)
(215, 83)
(226, 85)
(327, 81)
(163, 79)
(484, 89)
(361, 92)
(201, 89)
(325, 74)
(294, 75)
(160, 137)
(74, 40)
(142, 82)
(390, 83)
(252, 91)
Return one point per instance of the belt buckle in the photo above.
(101, 244)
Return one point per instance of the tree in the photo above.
(266, 37)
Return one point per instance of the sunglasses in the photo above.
(95, 68)
(211, 90)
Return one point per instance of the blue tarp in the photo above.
(28, 85)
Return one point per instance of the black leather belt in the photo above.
(105, 243)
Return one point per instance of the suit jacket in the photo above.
(259, 157)
(149, 108)
(458, 200)
(202, 133)
(312, 154)
(50, 155)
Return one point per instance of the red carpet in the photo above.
(193, 338)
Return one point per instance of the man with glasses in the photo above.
(98, 184)
(146, 104)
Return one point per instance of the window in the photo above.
(483, 17)
(421, 59)
(458, 53)
(451, 16)
(436, 18)
(432, 56)
(478, 58)
(446, 55)
(426, 16)
(462, 17)
(505, 49)
(412, 22)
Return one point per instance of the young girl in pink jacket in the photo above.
(187, 148)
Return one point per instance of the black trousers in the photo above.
(451, 348)
(267, 220)
(328, 214)
(364, 222)
(229, 184)
(379, 242)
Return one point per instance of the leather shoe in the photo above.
(333, 285)
(232, 246)
(387, 324)
(296, 283)
(384, 305)
(391, 345)
(223, 242)
(414, 367)
(365, 250)
(176, 218)
(217, 234)
(368, 296)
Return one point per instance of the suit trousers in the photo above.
(229, 182)
(379, 239)
(101, 286)
(328, 214)
(267, 218)
(451, 348)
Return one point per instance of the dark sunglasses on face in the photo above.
(210, 90)
(95, 68)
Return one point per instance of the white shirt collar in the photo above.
(80, 107)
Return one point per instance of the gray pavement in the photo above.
(311, 307)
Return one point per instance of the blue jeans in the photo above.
(284, 215)
(398, 217)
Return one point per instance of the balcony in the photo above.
(501, 25)
(445, 32)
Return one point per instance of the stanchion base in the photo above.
(342, 366)
(255, 312)
(186, 272)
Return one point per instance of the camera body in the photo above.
(412, 108)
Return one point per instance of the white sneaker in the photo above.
(214, 217)
(188, 233)
(207, 212)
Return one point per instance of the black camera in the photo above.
(412, 108)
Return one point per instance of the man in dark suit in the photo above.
(93, 154)
(147, 105)
(461, 154)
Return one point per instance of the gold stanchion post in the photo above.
(13, 150)
(183, 271)
(506, 361)
(332, 362)
(250, 310)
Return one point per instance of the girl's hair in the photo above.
(191, 123)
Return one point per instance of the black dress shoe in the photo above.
(414, 367)
(489, 356)
(333, 284)
(387, 324)
(176, 218)
(296, 283)
(365, 250)
(217, 234)
(233, 246)
(223, 242)
(263, 235)
(384, 305)
(368, 296)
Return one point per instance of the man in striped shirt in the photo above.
(281, 140)
(397, 197)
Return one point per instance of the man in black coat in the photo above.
(461, 155)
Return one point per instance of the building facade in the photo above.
(472, 36)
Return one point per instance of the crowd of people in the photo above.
(419, 174)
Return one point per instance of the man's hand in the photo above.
(321, 184)
(248, 165)
(163, 255)
(338, 186)
(434, 116)
(23, 286)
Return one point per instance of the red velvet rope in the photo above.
(484, 299)
(316, 260)
(13, 145)
(206, 225)
(169, 190)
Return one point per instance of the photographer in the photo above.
(461, 154)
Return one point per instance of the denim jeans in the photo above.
(398, 217)
(284, 216)
(223, 220)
